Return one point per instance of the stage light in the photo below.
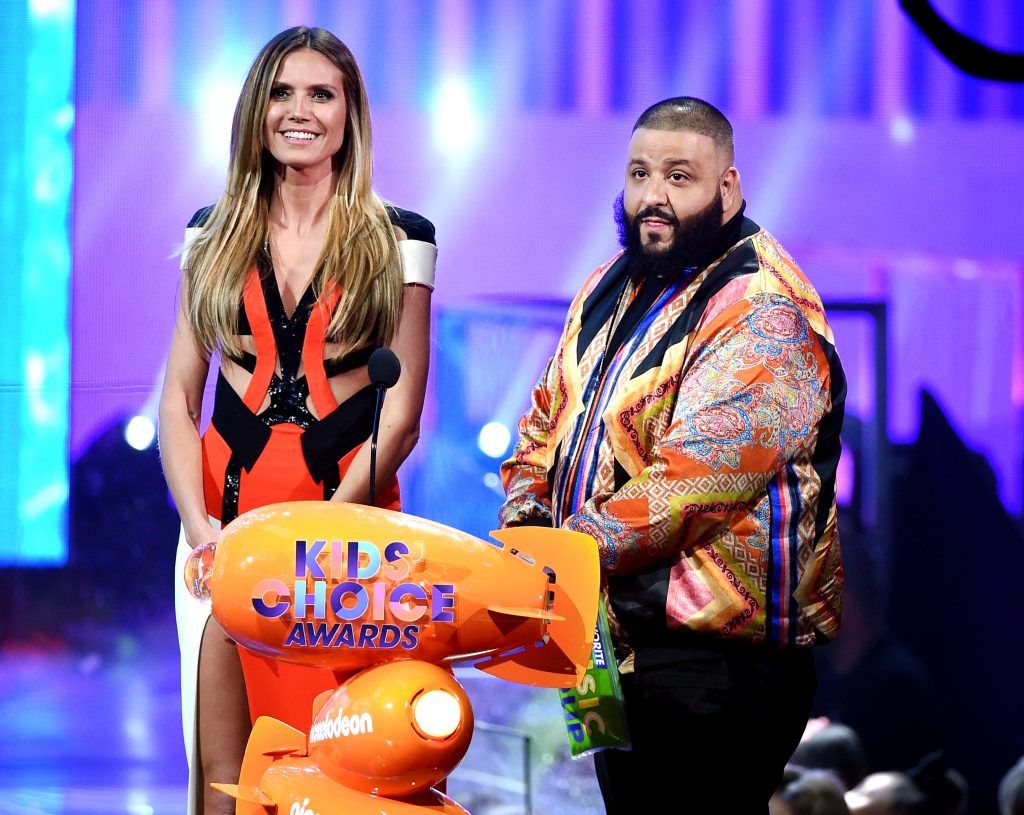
(457, 127)
(57, 9)
(140, 432)
(846, 476)
(901, 128)
(436, 714)
(138, 803)
(494, 439)
(217, 96)
(42, 412)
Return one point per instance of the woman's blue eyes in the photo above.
(284, 93)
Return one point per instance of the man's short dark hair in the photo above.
(690, 113)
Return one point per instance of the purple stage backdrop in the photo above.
(889, 175)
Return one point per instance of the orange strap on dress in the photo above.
(263, 337)
(313, 352)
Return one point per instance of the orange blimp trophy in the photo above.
(391, 601)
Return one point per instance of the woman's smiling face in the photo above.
(305, 121)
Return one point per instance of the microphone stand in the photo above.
(373, 444)
(383, 368)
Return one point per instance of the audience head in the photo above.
(930, 788)
(890, 793)
(835, 747)
(1011, 790)
(815, 792)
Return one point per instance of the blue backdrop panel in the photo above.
(36, 71)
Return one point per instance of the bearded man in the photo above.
(689, 422)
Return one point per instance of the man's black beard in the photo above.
(693, 242)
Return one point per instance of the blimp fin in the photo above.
(247, 795)
(269, 741)
(531, 613)
(574, 573)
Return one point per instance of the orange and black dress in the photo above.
(252, 458)
(285, 452)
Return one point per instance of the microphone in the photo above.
(384, 369)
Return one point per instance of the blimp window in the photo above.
(550, 573)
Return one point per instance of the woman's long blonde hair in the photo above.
(360, 253)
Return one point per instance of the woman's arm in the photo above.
(400, 419)
(180, 449)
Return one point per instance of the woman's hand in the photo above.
(201, 533)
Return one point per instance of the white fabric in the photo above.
(191, 233)
(191, 616)
(419, 260)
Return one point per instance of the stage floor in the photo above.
(92, 727)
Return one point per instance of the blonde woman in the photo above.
(291, 279)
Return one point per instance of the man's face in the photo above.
(672, 195)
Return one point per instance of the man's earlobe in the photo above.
(730, 182)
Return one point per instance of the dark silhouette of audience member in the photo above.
(837, 748)
(967, 54)
(1011, 790)
(776, 806)
(891, 793)
(814, 792)
(930, 788)
(867, 679)
(944, 789)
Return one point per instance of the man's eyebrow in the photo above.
(669, 162)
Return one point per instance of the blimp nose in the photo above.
(393, 730)
(436, 714)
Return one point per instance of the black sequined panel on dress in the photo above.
(288, 391)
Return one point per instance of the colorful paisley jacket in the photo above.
(708, 478)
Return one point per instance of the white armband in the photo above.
(419, 260)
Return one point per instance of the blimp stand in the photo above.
(394, 602)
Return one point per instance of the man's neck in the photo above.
(729, 235)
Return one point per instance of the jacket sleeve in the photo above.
(750, 402)
(525, 474)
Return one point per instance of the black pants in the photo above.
(711, 729)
